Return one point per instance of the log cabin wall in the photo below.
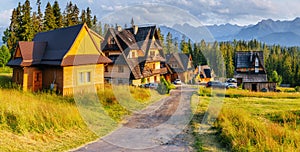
(53, 75)
(18, 75)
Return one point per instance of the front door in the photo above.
(37, 80)
(254, 87)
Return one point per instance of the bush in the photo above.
(5, 70)
(297, 88)
(164, 87)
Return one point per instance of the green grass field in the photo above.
(49, 122)
(255, 121)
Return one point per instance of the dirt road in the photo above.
(160, 127)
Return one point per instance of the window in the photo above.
(256, 65)
(106, 69)
(120, 69)
(112, 41)
(88, 77)
(120, 81)
(84, 77)
(152, 53)
(81, 77)
(133, 54)
(153, 65)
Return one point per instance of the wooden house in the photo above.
(250, 71)
(136, 53)
(203, 74)
(181, 66)
(61, 59)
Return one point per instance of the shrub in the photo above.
(164, 87)
(297, 88)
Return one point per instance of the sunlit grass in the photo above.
(256, 121)
(49, 122)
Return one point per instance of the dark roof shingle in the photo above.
(59, 41)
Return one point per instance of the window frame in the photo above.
(84, 77)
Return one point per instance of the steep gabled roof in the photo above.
(246, 59)
(181, 59)
(51, 47)
(126, 40)
(59, 41)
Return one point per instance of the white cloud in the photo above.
(90, 1)
(5, 17)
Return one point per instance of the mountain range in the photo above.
(285, 33)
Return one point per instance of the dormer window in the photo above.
(256, 65)
(152, 53)
(112, 41)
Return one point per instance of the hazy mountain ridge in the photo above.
(285, 33)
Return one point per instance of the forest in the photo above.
(282, 63)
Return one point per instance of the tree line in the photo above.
(25, 23)
(282, 63)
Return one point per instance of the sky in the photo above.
(170, 12)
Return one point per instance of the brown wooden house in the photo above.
(136, 53)
(250, 71)
(181, 66)
(61, 59)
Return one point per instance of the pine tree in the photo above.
(75, 14)
(11, 34)
(57, 14)
(68, 15)
(26, 26)
(95, 20)
(183, 45)
(39, 16)
(83, 16)
(35, 23)
(190, 48)
(169, 43)
(89, 22)
(49, 20)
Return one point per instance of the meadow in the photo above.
(49, 122)
(254, 121)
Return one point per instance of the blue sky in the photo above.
(206, 12)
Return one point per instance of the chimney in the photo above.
(135, 29)
(119, 28)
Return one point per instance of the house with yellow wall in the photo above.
(62, 60)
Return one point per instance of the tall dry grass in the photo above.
(49, 122)
(241, 131)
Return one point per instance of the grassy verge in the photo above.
(238, 93)
(45, 122)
